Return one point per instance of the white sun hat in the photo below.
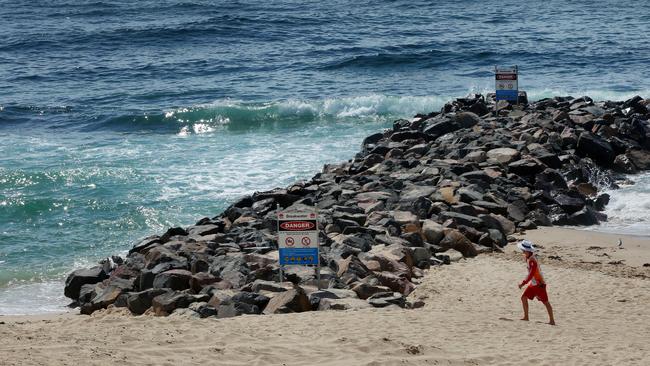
(527, 246)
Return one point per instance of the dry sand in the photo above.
(470, 318)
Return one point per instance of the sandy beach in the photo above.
(471, 317)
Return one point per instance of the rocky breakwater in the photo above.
(429, 191)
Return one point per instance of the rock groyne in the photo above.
(431, 190)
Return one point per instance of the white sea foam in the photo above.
(595, 94)
(33, 298)
(342, 107)
(628, 210)
(200, 128)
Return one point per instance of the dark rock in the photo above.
(231, 309)
(139, 302)
(82, 277)
(492, 207)
(467, 119)
(462, 219)
(515, 212)
(526, 167)
(383, 299)
(454, 239)
(527, 225)
(231, 268)
(372, 139)
(395, 282)
(199, 280)
(251, 298)
(498, 222)
(436, 127)
(167, 302)
(601, 202)
(364, 290)
(270, 286)
(623, 163)
(175, 279)
(89, 291)
(568, 203)
(596, 148)
(203, 230)
(406, 135)
(145, 244)
(584, 217)
(640, 159)
(550, 180)
(294, 300)
(174, 231)
(108, 295)
(432, 231)
(468, 195)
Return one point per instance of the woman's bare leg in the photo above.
(549, 309)
(524, 303)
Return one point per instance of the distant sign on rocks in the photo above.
(507, 86)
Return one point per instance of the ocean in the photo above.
(119, 119)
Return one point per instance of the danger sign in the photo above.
(507, 86)
(298, 227)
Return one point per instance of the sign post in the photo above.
(507, 83)
(298, 240)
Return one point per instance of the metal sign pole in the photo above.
(277, 216)
(318, 254)
(517, 73)
(496, 100)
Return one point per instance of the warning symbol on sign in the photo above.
(306, 241)
(289, 241)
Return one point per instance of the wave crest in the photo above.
(239, 115)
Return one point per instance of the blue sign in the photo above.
(302, 256)
(509, 95)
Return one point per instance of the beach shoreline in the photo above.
(471, 316)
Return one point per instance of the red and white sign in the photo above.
(297, 229)
(298, 225)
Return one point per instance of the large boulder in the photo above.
(436, 127)
(432, 231)
(413, 192)
(139, 302)
(383, 299)
(395, 282)
(596, 148)
(462, 219)
(503, 155)
(202, 279)
(454, 239)
(292, 301)
(167, 302)
(175, 279)
(640, 159)
(365, 290)
(528, 166)
(229, 309)
(82, 277)
(467, 119)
